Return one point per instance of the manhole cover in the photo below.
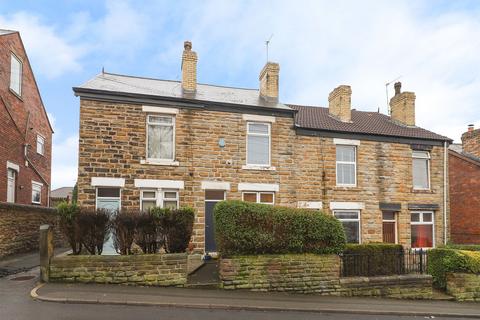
(22, 278)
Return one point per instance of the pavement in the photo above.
(23, 262)
(246, 300)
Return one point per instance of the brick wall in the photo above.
(471, 142)
(149, 270)
(15, 112)
(318, 274)
(113, 144)
(19, 227)
(464, 286)
(464, 199)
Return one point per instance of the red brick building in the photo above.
(25, 131)
(464, 174)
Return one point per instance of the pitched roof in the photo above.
(363, 122)
(4, 31)
(116, 83)
(458, 148)
(61, 192)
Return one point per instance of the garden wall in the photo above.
(147, 269)
(19, 225)
(319, 274)
(464, 286)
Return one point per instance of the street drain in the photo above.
(22, 278)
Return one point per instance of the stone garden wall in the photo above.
(148, 269)
(319, 274)
(464, 286)
(19, 227)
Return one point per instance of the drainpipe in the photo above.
(445, 192)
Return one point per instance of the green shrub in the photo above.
(123, 227)
(251, 228)
(468, 247)
(68, 225)
(177, 227)
(443, 260)
(373, 259)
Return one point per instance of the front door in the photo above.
(389, 226)
(212, 197)
(109, 199)
(10, 185)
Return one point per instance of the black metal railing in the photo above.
(384, 263)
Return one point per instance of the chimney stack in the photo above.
(402, 106)
(269, 82)
(189, 68)
(471, 141)
(340, 103)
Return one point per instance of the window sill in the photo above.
(424, 191)
(347, 187)
(261, 168)
(160, 162)
(36, 203)
(16, 94)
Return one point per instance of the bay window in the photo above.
(258, 144)
(422, 229)
(160, 137)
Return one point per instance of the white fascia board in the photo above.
(310, 204)
(258, 187)
(348, 142)
(108, 182)
(159, 184)
(159, 110)
(215, 185)
(256, 117)
(347, 205)
(13, 166)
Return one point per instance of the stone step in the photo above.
(207, 275)
(441, 295)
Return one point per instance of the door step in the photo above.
(206, 276)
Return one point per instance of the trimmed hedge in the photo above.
(468, 247)
(252, 228)
(373, 259)
(443, 260)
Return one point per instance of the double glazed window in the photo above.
(158, 198)
(16, 75)
(346, 165)
(421, 170)
(258, 144)
(160, 137)
(36, 192)
(40, 144)
(259, 197)
(108, 198)
(422, 229)
(350, 220)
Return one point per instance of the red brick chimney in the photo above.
(471, 141)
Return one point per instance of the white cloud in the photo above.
(65, 162)
(51, 55)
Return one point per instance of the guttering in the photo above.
(445, 192)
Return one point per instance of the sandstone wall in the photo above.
(464, 286)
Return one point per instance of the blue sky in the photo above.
(433, 45)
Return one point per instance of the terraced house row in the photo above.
(148, 142)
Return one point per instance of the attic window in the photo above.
(16, 75)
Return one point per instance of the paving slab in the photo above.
(247, 300)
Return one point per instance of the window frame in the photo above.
(160, 197)
(421, 222)
(173, 125)
(346, 162)
(427, 158)
(119, 198)
(351, 220)
(20, 75)
(269, 134)
(42, 144)
(14, 184)
(34, 186)
(258, 197)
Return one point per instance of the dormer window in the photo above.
(16, 75)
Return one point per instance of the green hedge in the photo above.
(443, 260)
(373, 259)
(251, 228)
(468, 247)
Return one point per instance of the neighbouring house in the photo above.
(60, 195)
(147, 142)
(26, 143)
(464, 172)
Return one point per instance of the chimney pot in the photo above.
(340, 103)
(187, 45)
(398, 87)
(471, 127)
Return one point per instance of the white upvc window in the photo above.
(108, 198)
(350, 220)
(16, 74)
(158, 198)
(346, 165)
(40, 144)
(258, 144)
(160, 137)
(422, 229)
(11, 179)
(421, 170)
(36, 192)
(259, 197)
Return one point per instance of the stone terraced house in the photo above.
(146, 142)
